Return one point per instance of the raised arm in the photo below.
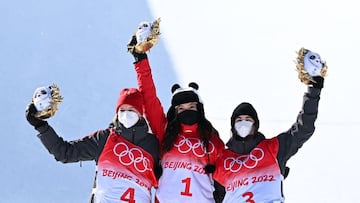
(87, 148)
(153, 108)
(312, 71)
(304, 127)
(154, 111)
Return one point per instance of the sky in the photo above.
(235, 50)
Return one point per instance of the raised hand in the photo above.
(30, 116)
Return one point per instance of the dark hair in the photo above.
(205, 128)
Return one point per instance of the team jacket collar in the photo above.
(134, 134)
(244, 146)
(189, 128)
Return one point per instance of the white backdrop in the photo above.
(245, 51)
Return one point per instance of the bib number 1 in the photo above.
(186, 191)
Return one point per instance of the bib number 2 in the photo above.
(249, 197)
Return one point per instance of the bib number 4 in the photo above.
(128, 195)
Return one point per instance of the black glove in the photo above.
(319, 82)
(219, 192)
(209, 168)
(30, 117)
(286, 172)
(131, 48)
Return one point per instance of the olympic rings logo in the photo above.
(132, 156)
(195, 145)
(248, 161)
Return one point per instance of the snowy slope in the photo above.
(80, 46)
(236, 51)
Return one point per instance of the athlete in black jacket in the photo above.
(252, 167)
(125, 153)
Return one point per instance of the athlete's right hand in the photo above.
(131, 48)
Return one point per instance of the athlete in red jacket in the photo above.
(188, 140)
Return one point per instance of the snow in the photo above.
(235, 50)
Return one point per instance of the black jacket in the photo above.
(291, 140)
(90, 147)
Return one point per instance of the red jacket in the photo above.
(154, 111)
(183, 178)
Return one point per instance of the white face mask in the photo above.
(128, 118)
(243, 128)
